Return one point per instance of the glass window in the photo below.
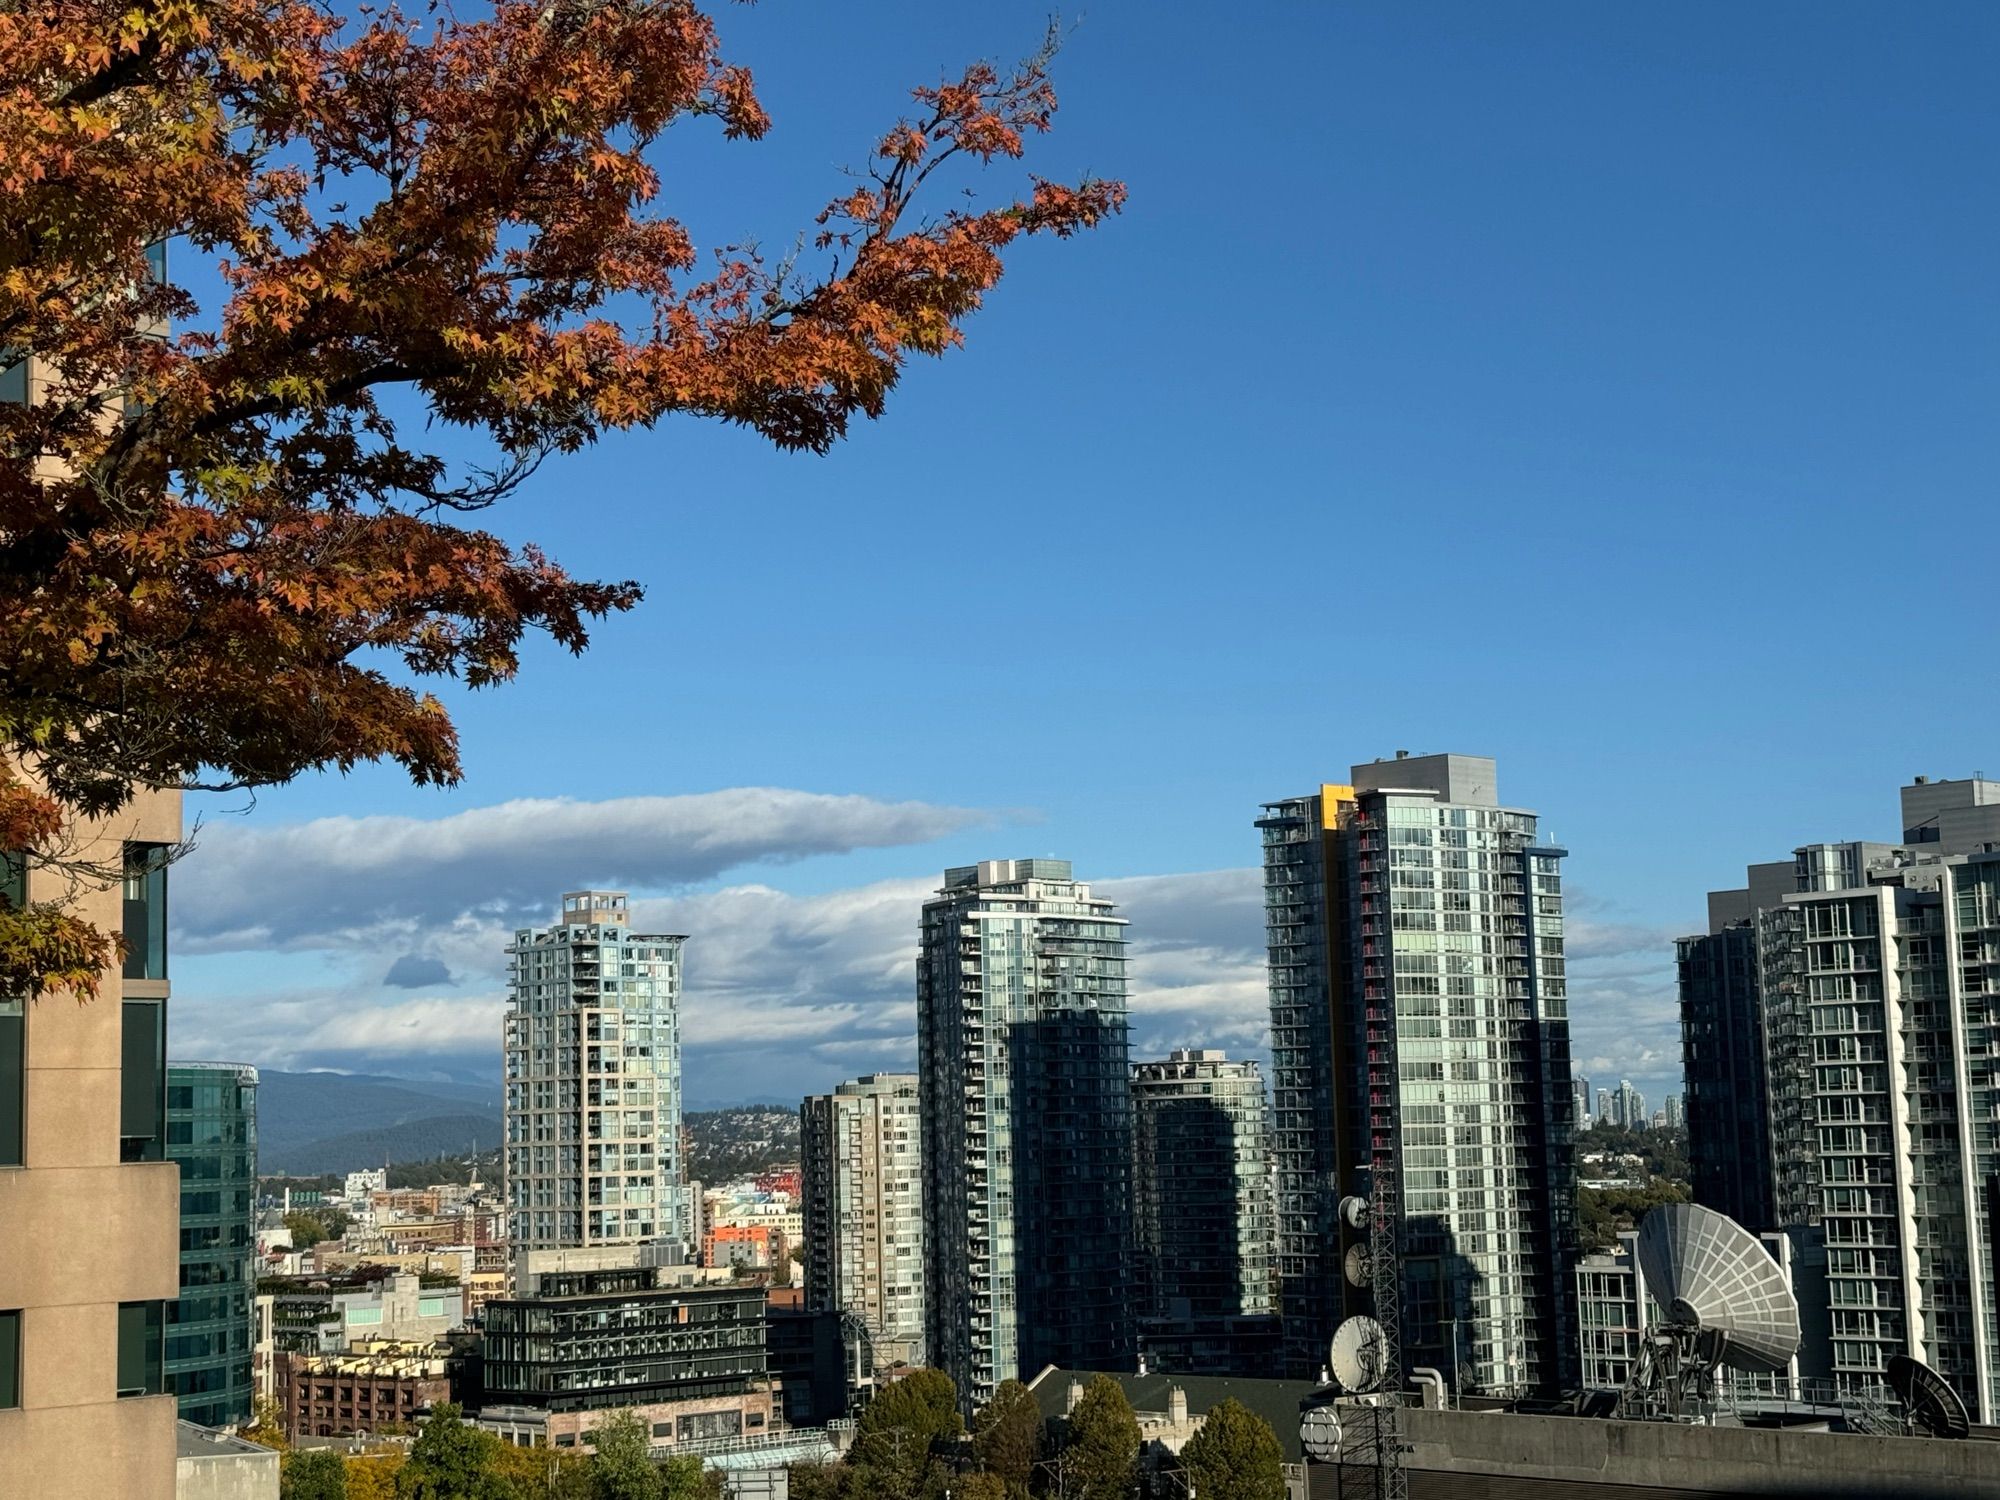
(13, 378)
(10, 1359)
(146, 911)
(141, 1369)
(142, 1097)
(13, 1080)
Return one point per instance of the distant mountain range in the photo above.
(310, 1123)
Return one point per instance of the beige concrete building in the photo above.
(89, 1206)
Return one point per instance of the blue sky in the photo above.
(1610, 390)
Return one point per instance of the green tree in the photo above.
(1235, 1456)
(1007, 1434)
(451, 1460)
(1101, 1447)
(820, 1481)
(318, 1475)
(980, 1486)
(623, 1468)
(896, 1436)
(686, 1477)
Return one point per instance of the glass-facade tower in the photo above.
(1201, 1188)
(1420, 1037)
(212, 1135)
(1027, 1114)
(593, 1078)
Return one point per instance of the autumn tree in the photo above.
(372, 1476)
(228, 551)
(1235, 1456)
(540, 1473)
(1101, 1444)
(267, 1424)
(1007, 1434)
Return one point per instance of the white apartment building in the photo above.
(593, 1050)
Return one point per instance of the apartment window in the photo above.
(13, 1080)
(146, 911)
(142, 1089)
(13, 379)
(10, 1359)
(141, 1336)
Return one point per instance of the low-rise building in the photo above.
(1172, 1408)
(748, 1247)
(379, 1383)
(212, 1465)
(581, 1344)
(329, 1315)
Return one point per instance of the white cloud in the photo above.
(336, 882)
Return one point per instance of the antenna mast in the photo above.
(1390, 1481)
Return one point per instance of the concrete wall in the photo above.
(1501, 1456)
(80, 1232)
(228, 1476)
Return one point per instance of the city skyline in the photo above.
(821, 965)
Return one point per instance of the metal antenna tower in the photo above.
(1390, 1481)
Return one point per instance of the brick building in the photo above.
(378, 1384)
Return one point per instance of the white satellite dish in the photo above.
(1710, 1272)
(1319, 1434)
(1358, 1355)
(1357, 1265)
(1354, 1211)
(1727, 1304)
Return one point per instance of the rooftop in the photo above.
(191, 1441)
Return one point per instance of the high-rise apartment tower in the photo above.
(1841, 1039)
(1027, 1113)
(1420, 1040)
(1201, 1187)
(862, 1168)
(593, 1049)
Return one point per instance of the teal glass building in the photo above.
(212, 1134)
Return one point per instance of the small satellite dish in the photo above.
(1354, 1211)
(1933, 1406)
(1319, 1434)
(1358, 1355)
(1357, 1265)
(1711, 1274)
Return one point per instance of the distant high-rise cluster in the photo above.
(1841, 1037)
(593, 1080)
(1420, 1044)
